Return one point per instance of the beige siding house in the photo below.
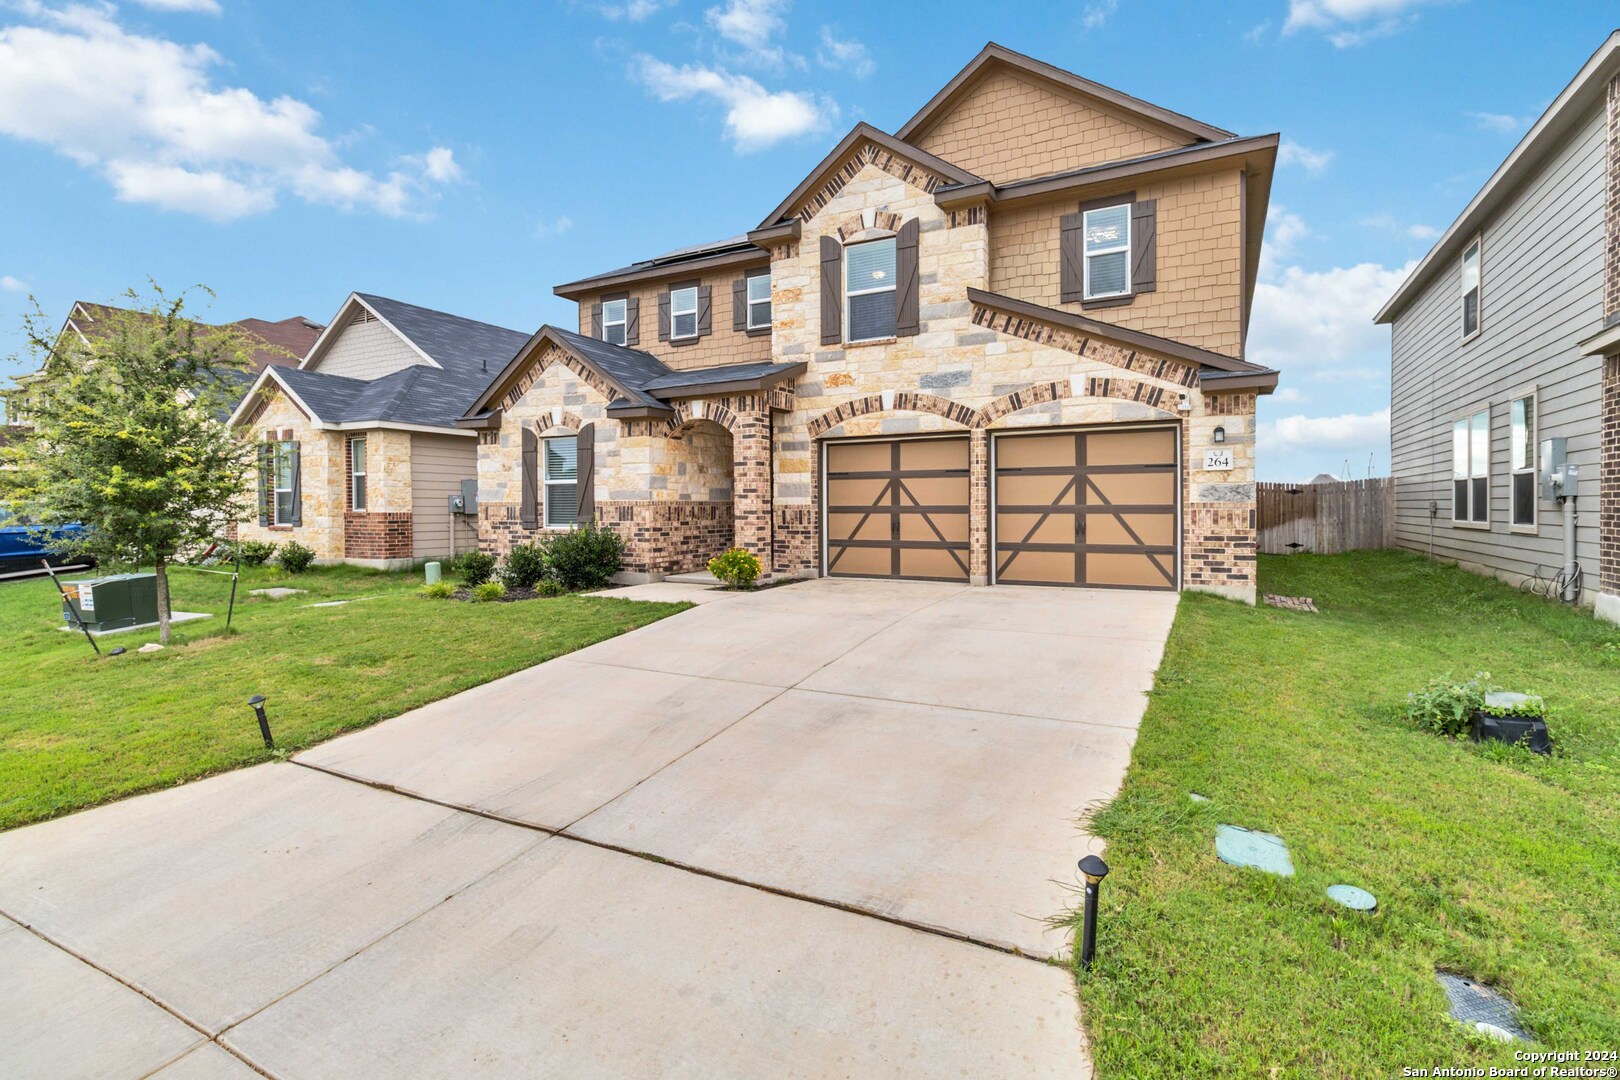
(954, 351)
(360, 455)
(1508, 335)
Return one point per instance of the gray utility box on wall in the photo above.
(111, 603)
(467, 501)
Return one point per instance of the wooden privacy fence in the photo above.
(1326, 518)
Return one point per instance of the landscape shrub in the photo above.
(1447, 705)
(738, 568)
(524, 567)
(550, 587)
(439, 590)
(473, 567)
(256, 552)
(489, 590)
(295, 557)
(585, 558)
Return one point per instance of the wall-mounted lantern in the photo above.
(1220, 434)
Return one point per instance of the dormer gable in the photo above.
(359, 343)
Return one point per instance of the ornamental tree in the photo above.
(128, 436)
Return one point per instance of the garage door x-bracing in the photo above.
(898, 509)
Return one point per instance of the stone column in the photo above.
(751, 483)
(979, 507)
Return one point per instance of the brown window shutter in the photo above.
(832, 288)
(265, 465)
(1144, 246)
(906, 279)
(739, 304)
(298, 486)
(529, 512)
(705, 318)
(585, 472)
(632, 321)
(596, 321)
(663, 316)
(1071, 258)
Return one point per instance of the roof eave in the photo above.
(994, 53)
(1554, 124)
(1261, 382)
(574, 290)
(629, 410)
(731, 386)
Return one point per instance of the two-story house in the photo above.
(1506, 344)
(1002, 344)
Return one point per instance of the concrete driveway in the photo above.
(817, 830)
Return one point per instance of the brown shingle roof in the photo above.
(285, 342)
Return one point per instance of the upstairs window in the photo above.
(683, 306)
(615, 317)
(1471, 469)
(1470, 290)
(560, 474)
(759, 301)
(1108, 251)
(357, 473)
(1522, 460)
(869, 290)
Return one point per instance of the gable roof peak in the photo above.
(998, 57)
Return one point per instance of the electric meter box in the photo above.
(111, 603)
(1552, 467)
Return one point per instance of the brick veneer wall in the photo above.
(661, 537)
(377, 534)
(1609, 482)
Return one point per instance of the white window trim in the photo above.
(1462, 294)
(1469, 415)
(1534, 468)
(1087, 256)
(623, 320)
(278, 448)
(546, 484)
(889, 288)
(748, 298)
(353, 488)
(673, 313)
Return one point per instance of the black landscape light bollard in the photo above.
(1095, 870)
(257, 701)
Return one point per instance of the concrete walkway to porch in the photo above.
(813, 830)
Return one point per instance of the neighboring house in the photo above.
(1508, 333)
(280, 344)
(360, 454)
(1002, 344)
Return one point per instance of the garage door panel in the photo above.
(1100, 506)
(910, 521)
(1152, 530)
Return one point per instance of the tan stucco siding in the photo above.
(1199, 295)
(321, 466)
(439, 463)
(1012, 128)
(367, 350)
(722, 345)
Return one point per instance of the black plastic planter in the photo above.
(1530, 730)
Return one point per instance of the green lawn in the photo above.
(1498, 864)
(76, 731)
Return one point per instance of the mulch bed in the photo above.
(511, 595)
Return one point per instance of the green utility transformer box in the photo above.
(111, 603)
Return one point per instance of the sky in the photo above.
(470, 156)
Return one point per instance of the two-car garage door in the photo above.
(1080, 507)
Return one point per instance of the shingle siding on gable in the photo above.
(722, 345)
(367, 351)
(1541, 293)
(1008, 128)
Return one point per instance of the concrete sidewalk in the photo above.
(465, 897)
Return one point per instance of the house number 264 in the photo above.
(1217, 460)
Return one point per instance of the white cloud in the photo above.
(1312, 161)
(851, 56)
(1422, 232)
(1350, 431)
(1097, 12)
(146, 114)
(1289, 395)
(1256, 33)
(11, 284)
(1501, 123)
(635, 10)
(1349, 23)
(553, 227)
(1284, 231)
(206, 7)
(1321, 320)
(1384, 221)
(753, 25)
(755, 117)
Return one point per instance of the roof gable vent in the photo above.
(364, 315)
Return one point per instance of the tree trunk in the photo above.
(163, 599)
